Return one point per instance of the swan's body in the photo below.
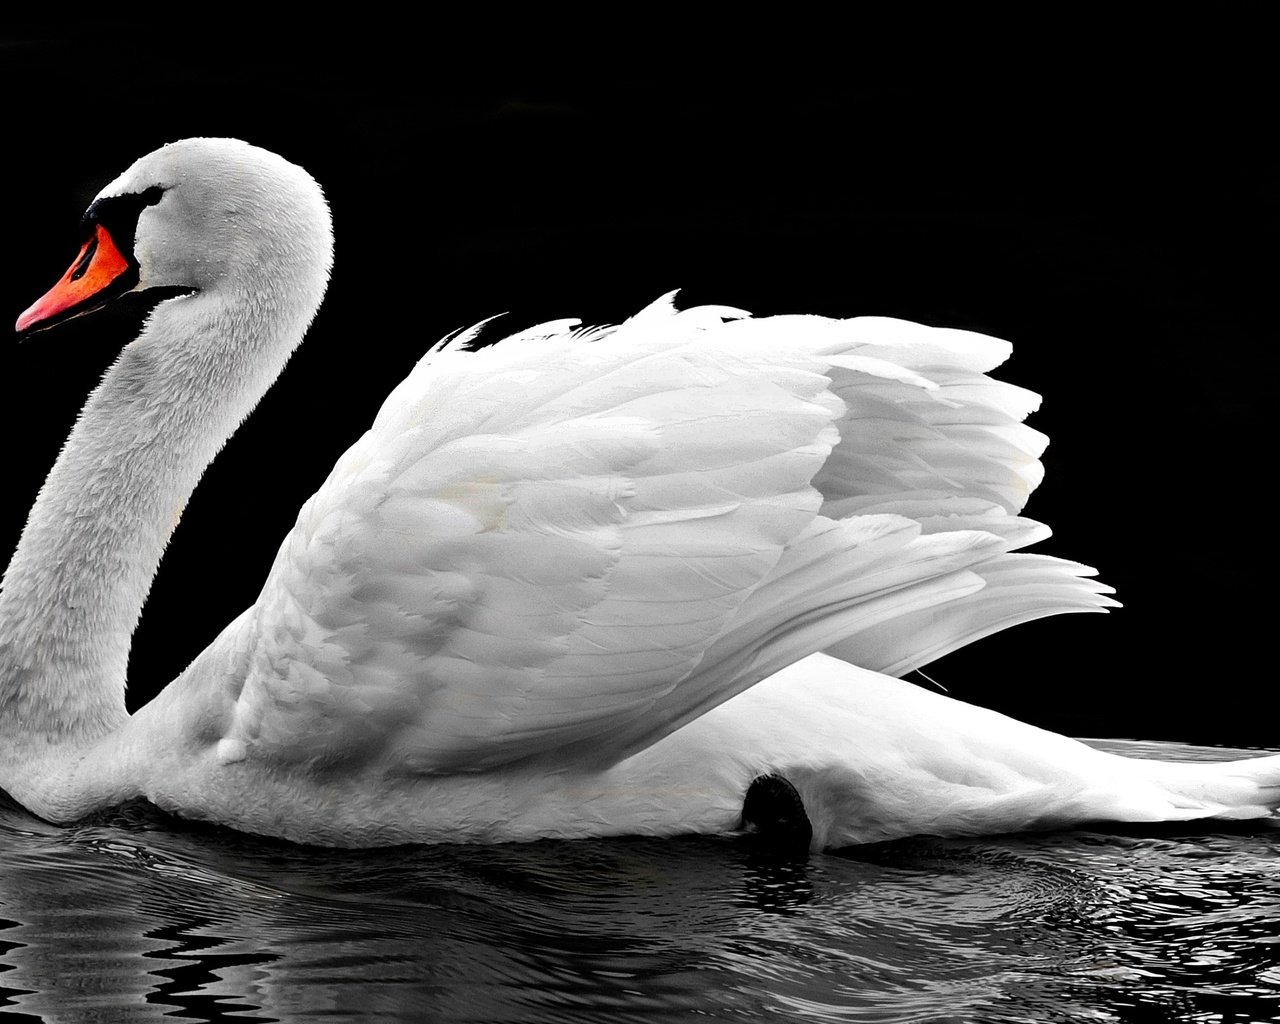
(540, 596)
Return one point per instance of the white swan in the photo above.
(570, 585)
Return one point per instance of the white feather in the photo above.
(574, 583)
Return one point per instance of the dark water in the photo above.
(143, 918)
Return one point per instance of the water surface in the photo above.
(140, 917)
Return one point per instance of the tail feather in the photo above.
(1225, 789)
(875, 758)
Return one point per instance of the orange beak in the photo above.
(81, 289)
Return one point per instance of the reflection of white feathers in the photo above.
(548, 556)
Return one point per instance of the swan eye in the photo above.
(119, 214)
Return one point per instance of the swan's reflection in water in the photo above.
(139, 917)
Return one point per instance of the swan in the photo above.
(649, 579)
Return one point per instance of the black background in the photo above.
(1106, 203)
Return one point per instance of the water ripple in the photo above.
(137, 917)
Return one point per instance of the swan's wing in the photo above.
(574, 544)
(533, 543)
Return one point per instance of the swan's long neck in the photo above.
(76, 585)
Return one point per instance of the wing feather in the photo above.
(567, 544)
(532, 544)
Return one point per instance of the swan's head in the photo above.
(197, 215)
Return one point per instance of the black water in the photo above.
(143, 918)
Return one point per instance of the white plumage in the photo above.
(539, 596)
